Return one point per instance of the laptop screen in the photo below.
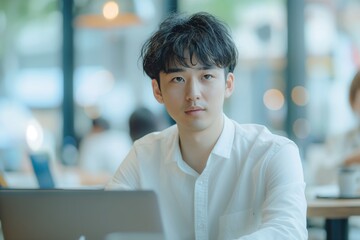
(79, 214)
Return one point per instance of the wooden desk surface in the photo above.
(333, 208)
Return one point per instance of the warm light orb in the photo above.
(111, 10)
(300, 95)
(273, 99)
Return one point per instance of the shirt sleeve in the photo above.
(284, 209)
(126, 176)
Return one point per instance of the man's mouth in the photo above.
(194, 109)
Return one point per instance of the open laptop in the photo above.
(79, 214)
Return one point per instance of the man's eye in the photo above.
(178, 79)
(208, 76)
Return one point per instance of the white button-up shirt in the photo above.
(251, 188)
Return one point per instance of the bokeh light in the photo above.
(34, 135)
(300, 96)
(301, 128)
(274, 99)
(111, 10)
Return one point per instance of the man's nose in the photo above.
(193, 90)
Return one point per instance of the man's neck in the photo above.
(197, 146)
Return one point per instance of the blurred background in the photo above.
(65, 63)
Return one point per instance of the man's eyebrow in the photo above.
(175, 70)
(206, 67)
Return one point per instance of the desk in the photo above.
(336, 212)
(64, 178)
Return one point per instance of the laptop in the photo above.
(80, 214)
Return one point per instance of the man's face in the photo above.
(194, 97)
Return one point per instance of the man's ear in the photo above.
(157, 91)
(230, 85)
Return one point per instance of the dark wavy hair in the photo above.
(354, 88)
(200, 35)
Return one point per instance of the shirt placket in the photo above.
(201, 207)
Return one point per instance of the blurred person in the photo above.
(342, 149)
(141, 122)
(101, 151)
(351, 139)
(214, 178)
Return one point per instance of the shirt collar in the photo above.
(224, 144)
(222, 147)
(172, 149)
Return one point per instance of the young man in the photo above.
(215, 178)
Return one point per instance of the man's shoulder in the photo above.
(259, 143)
(259, 133)
(165, 135)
